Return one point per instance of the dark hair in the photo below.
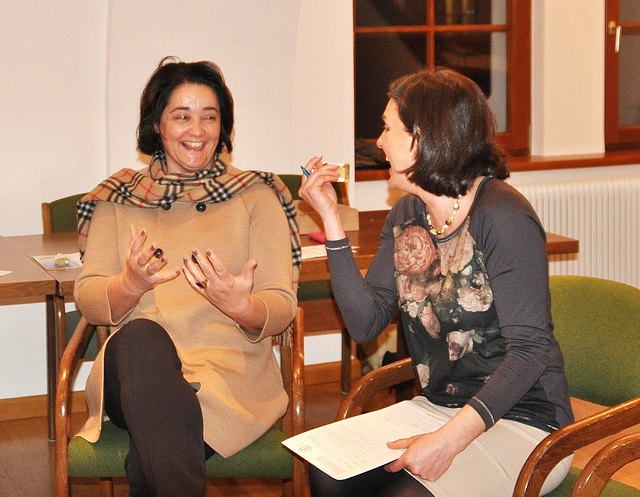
(453, 127)
(170, 74)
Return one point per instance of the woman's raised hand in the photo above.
(231, 294)
(319, 193)
(143, 269)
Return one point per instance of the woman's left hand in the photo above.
(430, 455)
(426, 456)
(229, 293)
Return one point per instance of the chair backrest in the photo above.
(597, 323)
(293, 182)
(60, 215)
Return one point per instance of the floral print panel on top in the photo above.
(449, 317)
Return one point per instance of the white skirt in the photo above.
(490, 465)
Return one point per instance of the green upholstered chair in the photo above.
(316, 297)
(60, 215)
(57, 217)
(597, 323)
(265, 458)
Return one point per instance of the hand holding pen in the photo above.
(318, 192)
(341, 168)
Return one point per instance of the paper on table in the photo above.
(49, 261)
(313, 251)
(354, 445)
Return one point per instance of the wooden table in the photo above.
(27, 280)
(365, 241)
(30, 282)
(64, 281)
(51, 244)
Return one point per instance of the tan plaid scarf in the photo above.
(157, 188)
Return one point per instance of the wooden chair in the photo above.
(265, 458)
(60, 215)
(597, 323)
(316, 297)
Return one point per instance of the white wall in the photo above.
(567, 88)
(72, 74)
(52, 130)
(52, 105)
(256, 57)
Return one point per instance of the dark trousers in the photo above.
(146, 394)
(374, 483)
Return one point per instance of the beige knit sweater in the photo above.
(241, 391)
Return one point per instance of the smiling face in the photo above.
(398, 145)
(190, 128)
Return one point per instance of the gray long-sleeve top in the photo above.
(475, 306)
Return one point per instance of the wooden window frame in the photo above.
(517, 28)
(520, 160)
(616, 137)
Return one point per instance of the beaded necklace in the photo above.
(447, 223)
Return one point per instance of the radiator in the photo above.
(602, 215)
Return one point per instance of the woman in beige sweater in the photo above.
(194, 263)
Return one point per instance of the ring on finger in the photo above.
(203, 284)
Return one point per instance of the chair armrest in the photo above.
(563, 442)
(370, 384)
(605, 463)
(292, 366)
(66, 372)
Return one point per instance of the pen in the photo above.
(306, 173)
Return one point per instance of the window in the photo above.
(622, 66)
(486, 40)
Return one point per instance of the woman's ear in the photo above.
(415, 139)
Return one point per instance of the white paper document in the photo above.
(2, 273)
(59, 261)
(354, 445)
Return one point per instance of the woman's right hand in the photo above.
(142, 271)
(143, 268)
(319, 193)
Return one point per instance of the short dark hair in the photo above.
(454, 129)
(171, 73)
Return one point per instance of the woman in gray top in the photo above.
(463, 258)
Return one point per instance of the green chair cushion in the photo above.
(597, 323)
(293, 182)
(73, 317)
(266, 457)
(63, 213)
(314, 290)
(612, 489)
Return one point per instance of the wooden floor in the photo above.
(27, 458)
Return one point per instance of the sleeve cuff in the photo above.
(484, 412)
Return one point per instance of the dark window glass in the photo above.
(390, 12)
(382, 59)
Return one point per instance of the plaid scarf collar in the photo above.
(154, 187)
